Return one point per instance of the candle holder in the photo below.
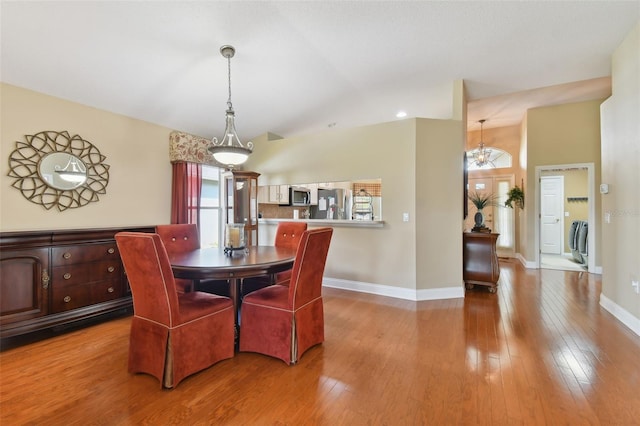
(234, 238)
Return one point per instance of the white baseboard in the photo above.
(621, 314)
(527, 264)
(397, 292)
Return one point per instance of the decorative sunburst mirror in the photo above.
(55, 169)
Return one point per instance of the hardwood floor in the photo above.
(540, 351)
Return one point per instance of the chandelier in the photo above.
(229, 150)
(482, 155)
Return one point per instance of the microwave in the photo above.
(299, 196)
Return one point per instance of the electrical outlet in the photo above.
(636, 286)
(405, 217)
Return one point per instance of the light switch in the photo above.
(405, 217)
(566, 214)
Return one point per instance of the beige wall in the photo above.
(139, 190)
(388, 255)
(522, 238)
(621, 170)
(439, 193)
(559, 135)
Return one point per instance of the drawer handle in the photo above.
(67, 299)
(67, 255)
(110, 289)
(111, 250)
(45, 279)
(111, 269)
(67, 276)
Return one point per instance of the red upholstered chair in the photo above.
(282, 321)
(172, 335)
(178, 238)
(288, 234)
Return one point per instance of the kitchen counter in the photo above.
(327, 222)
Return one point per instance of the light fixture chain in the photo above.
(229, 73)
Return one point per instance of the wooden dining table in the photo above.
(213, 263)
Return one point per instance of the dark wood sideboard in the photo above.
(480, 260)
(59, 277)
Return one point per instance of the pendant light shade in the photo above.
(75, 171)
(229, 150)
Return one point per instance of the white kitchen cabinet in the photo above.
(313, 189)
(278, 194)
(263, 194)
(284, 194)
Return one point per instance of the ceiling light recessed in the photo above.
(401, 114)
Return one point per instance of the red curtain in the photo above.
(185, 193)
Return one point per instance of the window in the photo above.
(498, 159)
(210, 207)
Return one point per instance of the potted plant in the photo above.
(515, 195)
(481, 200)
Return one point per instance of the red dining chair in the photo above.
(179, 238)
(288, 234)
(285, 321)
(173, 335)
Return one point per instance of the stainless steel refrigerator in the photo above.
(332, 204)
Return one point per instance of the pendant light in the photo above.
(229, 150)
(75, 171)
(482, 155)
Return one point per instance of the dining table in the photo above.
(215, 263)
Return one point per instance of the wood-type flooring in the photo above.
(541, 351)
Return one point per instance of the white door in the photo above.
(551, 214)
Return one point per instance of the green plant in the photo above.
(482, 200)
(515, 195)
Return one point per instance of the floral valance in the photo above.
(189, 148)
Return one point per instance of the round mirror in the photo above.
(61, 170)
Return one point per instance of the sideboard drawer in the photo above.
(87, 272)
(65, 297)
(67, 255)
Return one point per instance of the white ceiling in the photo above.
(302, 66)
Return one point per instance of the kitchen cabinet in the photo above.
(263, 194)
(313, 191)
(480, 260)
(241, 195)
(279, 194)
(59, 277)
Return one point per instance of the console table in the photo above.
(58, 277)
(480, 260)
